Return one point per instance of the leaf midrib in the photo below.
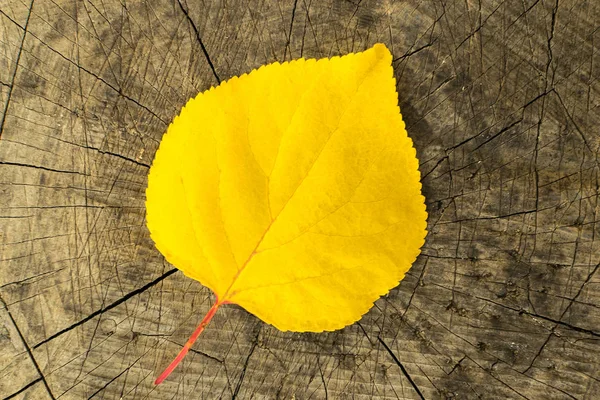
(268, 228)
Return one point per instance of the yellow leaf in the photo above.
(292, 191)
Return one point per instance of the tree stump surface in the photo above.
(502, 100)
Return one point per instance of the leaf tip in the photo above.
(382, 52)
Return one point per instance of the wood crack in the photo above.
(14, 74)
(28, 349)
(199, 39)
(107, 308)
(402, 368)
(245, 367)
(24, 388)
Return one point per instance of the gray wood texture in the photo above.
(502, 99)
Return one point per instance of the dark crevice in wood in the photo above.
(539, 352)
(500, 132)
(243, 373)
(195, 28)
(289, 37)
(109, 307)
(553, 320)
(207, 355)
(514, 214)
(481, 24)
(29, 349)
(14, 74)
(24, 388)
(108, 383)
(577, 128)
(457, 365)
(323, 378)
(413, 52)
(404, 371)
(201, 353)
(122, 157)
(12, 20)
(16, 164)
(560, 322)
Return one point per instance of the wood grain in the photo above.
(502, 99)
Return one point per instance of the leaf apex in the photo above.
(382, 51)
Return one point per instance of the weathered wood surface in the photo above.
(502, 99)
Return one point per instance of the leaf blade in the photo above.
(302, 188)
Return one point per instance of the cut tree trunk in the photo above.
(502, 100)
